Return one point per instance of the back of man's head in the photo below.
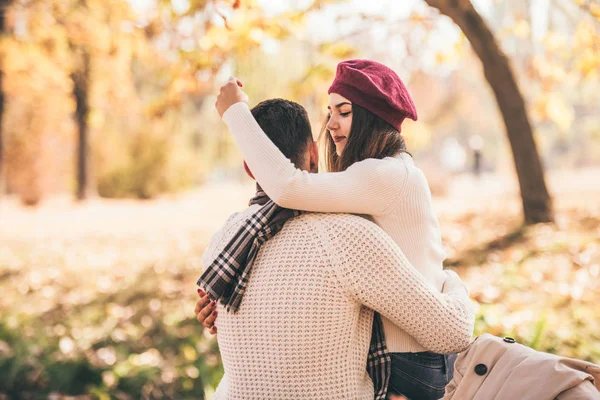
(286, 124)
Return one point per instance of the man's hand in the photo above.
(229, 95)
(206, 312)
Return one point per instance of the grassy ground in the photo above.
(97, 298)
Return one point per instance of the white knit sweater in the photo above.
(304, 324)
(393, 191)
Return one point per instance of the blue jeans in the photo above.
(421, 376)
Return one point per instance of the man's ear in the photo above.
(248, 171)
(314, 156)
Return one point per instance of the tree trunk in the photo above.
(537, 204)
(3, 6)
(80, 77)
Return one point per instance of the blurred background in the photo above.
(115, 169)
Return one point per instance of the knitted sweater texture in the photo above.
(393, 191)
(304, 325)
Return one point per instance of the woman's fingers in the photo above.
(235, 80)
(230, 94)
(200, 304)
(210, 320)
(205, 312)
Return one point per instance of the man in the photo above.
(304, 326)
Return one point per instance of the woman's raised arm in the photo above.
(371, 186)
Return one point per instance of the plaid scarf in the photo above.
(226, 278)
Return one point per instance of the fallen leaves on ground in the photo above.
(97, 302)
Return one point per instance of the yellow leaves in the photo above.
(182, 85)
(453, 54)
(249, 29)
(205, 43)
(180, 7)
(296, 19)
(521, 29)
(568, 60)
(547, 71)
(541, 283)
(417, 135)
(587, 48)
(441, 58)
(586, 34)
(316, 76)
(246, 30)
(256, 35)
(194, 5)
(595, 10)
(96, 119)
(275, 30)
(339, 50)
(555, 108)
(591, 6)
(557, 49)
(216, 37)
(589, 63)
(560, 112)
(418, 18)
(555, 42)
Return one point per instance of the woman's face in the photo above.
(340, 120)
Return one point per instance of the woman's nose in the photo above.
(331, 124)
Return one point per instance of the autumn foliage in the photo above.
(97, 296)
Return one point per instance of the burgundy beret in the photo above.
(375, 87)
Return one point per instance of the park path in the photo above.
(206, 208)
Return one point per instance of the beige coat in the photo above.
(493, 368)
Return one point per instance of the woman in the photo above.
(369, 172)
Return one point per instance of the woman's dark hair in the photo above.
(370, 137)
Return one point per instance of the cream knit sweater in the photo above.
(304, 325)
(393, 191)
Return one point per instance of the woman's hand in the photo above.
(206, 312)
(229, 95)
(452, 281)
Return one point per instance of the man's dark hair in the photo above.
(286, 124)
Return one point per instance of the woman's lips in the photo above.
(338, 139)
